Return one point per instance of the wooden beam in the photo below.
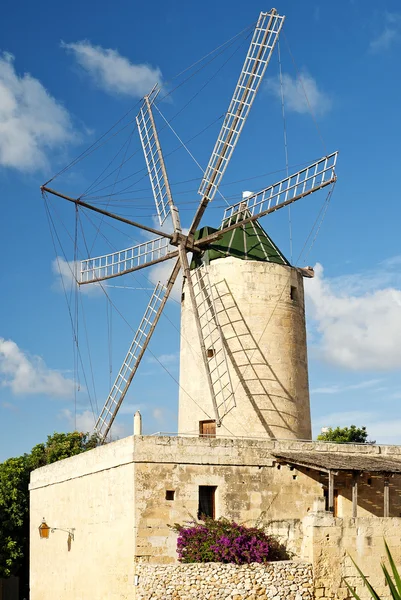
(331, 491)
(386, 512)
(355, 476)
(106, 213)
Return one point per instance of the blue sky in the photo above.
(68, 72)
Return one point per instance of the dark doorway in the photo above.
(335, 507)
(206, 506)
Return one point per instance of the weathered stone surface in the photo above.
(228, 582)
(267, 365)
(115, 499)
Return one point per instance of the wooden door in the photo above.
(207, 428)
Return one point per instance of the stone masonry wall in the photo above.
(330, 543)
(284, 580)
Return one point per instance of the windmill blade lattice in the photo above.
(125, 261)
(260, 50)
(214, 343)
(155, 162)
(130, 364)
(311, 179)
(134, 355)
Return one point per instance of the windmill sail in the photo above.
(131, 259)
(154, 159)
(260, 50)
(131, 362)
(214, 343)
(311, 179)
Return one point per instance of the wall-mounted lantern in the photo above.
(44, 532)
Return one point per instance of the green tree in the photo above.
(344, 435)
(14, 495)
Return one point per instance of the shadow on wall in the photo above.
(253, 370)
(370, 494)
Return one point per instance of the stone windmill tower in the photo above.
(254, 330)
(243, 342)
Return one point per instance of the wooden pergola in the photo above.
(334, 463)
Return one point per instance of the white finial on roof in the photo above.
(137, 423)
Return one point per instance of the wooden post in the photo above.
(355, 475)
(386, 497)
(331, 491)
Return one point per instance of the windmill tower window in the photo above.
(206, 506)
(170, 494)
(294, 293)
(207, 428)
(210, 352)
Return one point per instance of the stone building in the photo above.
(119, 500)
(111, 509)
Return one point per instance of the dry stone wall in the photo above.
(284, 580)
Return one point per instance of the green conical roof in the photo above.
(247, 242)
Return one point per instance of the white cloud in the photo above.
(130, 409)
(85, 422)
(25, 374)
(384, 40)
(32, 122)
(358, 330)
(301, 94)
(158, 415)
(67, 272)
(390, 34)
(165, 359)
(9, 406)
(112, 72)
(340, 389)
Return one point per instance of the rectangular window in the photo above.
(206, 508)
(207, 428)
(170, 494)
(294, 294)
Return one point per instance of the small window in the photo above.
(170, 494)
(210, 352)
(206, 507)
(182, 296)
(294, 293)
(207, 428)
(369, 481)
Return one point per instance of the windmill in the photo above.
(205, 298)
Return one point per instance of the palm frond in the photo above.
(393, 582)
(396, 575)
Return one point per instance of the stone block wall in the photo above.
(284, 580)
(330, 543)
